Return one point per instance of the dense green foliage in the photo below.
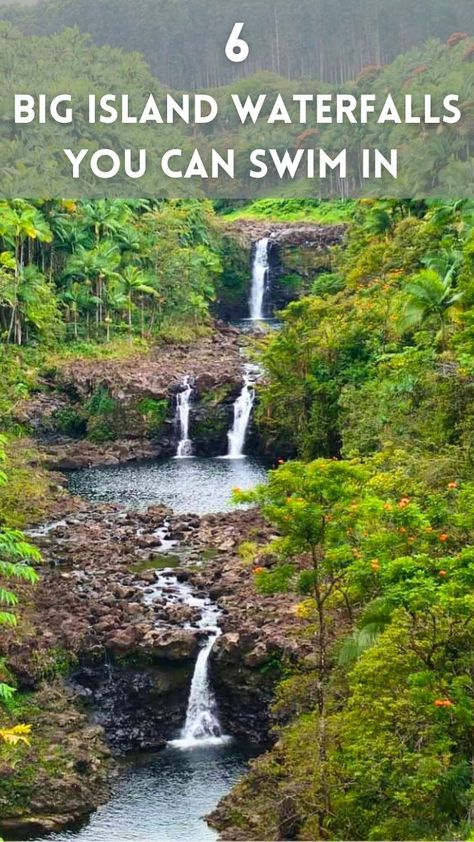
(369, 388)
(378, 539)
(389, 355)
(184, 42)
(16, 557)
(434, 159)
(104, 269)
(290, 210)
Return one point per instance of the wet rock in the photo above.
(122, 640)
(137, 388)
(139, 705)
(147, 576)
(175, 644)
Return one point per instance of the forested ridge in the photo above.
(183, 42)
(434, 159)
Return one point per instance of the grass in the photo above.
(295, 210)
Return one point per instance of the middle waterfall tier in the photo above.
(243, 412)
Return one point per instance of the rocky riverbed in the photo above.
(129, 647)
(107, 647)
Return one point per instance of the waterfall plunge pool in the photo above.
(163, 797)
(196, 485)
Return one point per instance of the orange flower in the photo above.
(443, 703)
(375, 565)
(404, 502)
(452, 485)
(237, 490)
(443, 538)
(402, 530)
(442, 573)
(388, 507)
(257, 570)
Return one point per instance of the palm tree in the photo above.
(430, 297)
(37, 305)
(20, 225)
(136, 282)
(106, 218)
(77, 296)
(97, 266)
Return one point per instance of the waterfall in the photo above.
(260, 272)
(183, 406)
(242, 413)
(202, 726)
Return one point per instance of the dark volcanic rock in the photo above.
(59, 779)
(244, 692)
(139, 706)
(106, 412)
(248, 231)
(132, 646)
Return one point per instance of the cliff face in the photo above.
(298, 252)
(104, 412)
(248, 231)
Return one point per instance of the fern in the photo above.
(15, 735)
(6, 693)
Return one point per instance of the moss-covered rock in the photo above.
(232, 291)
(211, 419)
(62, 776)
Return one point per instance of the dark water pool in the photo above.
(257, 326)
(186, 485)
(163, 798)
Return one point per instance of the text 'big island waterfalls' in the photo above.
(260, 280)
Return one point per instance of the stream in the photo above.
(163, 797)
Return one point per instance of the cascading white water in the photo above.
(260, 272)
(202, 726)
(183, 408)
(242, 413)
